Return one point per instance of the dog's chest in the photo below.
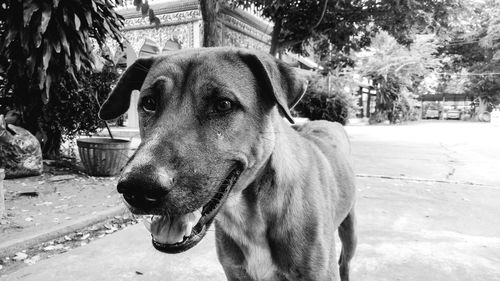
(250, 238)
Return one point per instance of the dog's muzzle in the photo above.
(175, 234)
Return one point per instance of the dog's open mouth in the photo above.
(178, 234)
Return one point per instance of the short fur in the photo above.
(297, 185)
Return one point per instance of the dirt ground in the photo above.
(60, 194)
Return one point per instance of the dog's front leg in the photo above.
(236, 274)
(230, 256)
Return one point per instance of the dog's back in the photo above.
(331, 138)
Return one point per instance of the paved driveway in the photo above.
(428, 209)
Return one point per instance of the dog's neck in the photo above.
(285, 159)
(246, 216)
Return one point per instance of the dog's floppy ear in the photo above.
(118, 100)
(286, 85)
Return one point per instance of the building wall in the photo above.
(181, 21)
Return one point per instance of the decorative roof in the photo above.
(175, 6)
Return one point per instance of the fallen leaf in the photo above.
(53, 247)
(32, 260)
(61, 178)
(20, 256)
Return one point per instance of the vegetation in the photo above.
(318, 103)
(347, 25)
(473, 49)
(396, 70)
(41, 41)
(73, 108)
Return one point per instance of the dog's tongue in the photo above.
(168, 230)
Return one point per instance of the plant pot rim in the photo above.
(101, 140)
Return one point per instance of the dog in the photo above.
(217, 146)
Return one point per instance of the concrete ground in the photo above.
(427, 209)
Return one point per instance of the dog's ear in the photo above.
(118, 100)
(278, 78)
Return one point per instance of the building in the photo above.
(181, 27)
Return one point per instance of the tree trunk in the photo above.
(51, 146)
(34, 121)
(275, 36)
(209, 15)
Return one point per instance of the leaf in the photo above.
(41, 76)
(46, 92)
(46, 14)
(145, 9)
(28, 9)
(77, 22)
(88, 18)
(10, 37)
(47, 53)
(56, 44)
(77, 61)
(151, 16)
(138, 4)
(156, 22)
(31, 63)
(64, 41)
(106, 26)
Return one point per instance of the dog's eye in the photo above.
(149, 104)
(223, 105)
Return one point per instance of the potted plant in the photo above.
(103, 156)
(72, 112)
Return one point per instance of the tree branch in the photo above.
(325, 5)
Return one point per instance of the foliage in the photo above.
(73, 108)
(485, 87)
(473, 46)
(319, 104)
(146, 11)
(42, 39)
(348, 24)
(395, 69)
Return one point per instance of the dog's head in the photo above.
(206, 124)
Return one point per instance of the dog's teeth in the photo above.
(147, 224)
(188, 228)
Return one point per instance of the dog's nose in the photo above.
(142, 190)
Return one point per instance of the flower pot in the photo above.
(102, 156)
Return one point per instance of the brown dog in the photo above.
(216, 147)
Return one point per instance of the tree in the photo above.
(348, 24)
(41, 40)
(394, 68)
(473, 47)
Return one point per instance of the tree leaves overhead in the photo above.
(350, 24)
(40, 39)
(143, 6)
(395, 68)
